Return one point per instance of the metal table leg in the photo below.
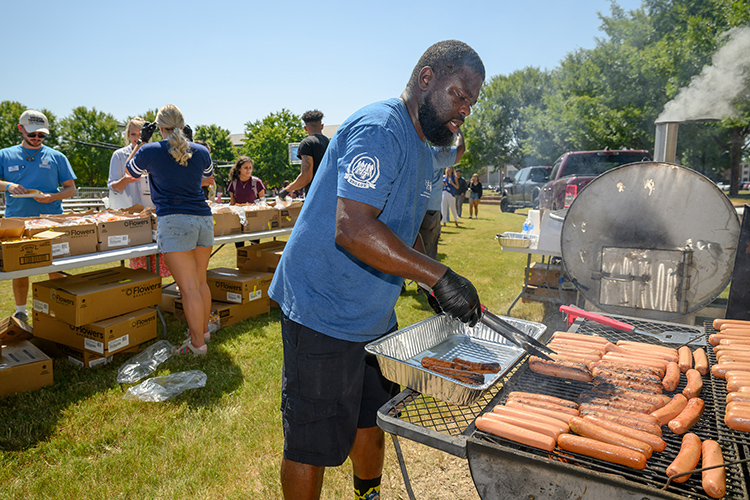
(402, 464)
(525, 283)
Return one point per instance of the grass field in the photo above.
(80, 439)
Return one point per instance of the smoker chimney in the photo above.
(665, 146)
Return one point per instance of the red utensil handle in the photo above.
(603, 320)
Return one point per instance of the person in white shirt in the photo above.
(124, 194)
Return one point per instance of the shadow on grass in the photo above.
(30, 418)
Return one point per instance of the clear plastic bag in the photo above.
(166, 387)
(145, 363)
(214, 323)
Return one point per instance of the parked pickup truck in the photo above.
(523, 190)
(574, 170)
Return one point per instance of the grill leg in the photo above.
(402, 464)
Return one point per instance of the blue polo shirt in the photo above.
(46, 172)
(377, 158)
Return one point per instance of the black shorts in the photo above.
(330, 388)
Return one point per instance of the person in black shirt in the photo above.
(310, 151)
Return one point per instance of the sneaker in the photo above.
(187, 348)
(21, 316)
(206, 336)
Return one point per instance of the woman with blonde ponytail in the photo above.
(185, 233)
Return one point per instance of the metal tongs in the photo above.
(519, 338)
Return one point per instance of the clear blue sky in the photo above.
(232, 62)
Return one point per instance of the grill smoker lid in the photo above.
(652, 240)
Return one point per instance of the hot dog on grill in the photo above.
(701, 361)
(737, 419)
(565, 417)
(631, 423)
(714, 481)
(580, 337)
(694, 384)
(645, 345)
(544, 397)
(687, 417)
(685, 358)
(720, 370)
(533, 425)
(687, 459)
(670, 411)
(658, 400)
(656, 442)
(626, 368)
(529, 415)
(719, 323)
(671, 377)
(543, 404)
(602, 451)
(515, 433)
(560, 369)
(588, 429)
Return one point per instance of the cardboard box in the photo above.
(555, 295)
(26, 368)
(288, 215)
(79, 357)
(79, 239)
(230, 314)
(125, 233)
(103, 337)
(233, 285)
(13, 331)
(263, 257)
(540, 274)
(17, 252)
(226, 223)
(89, 297)
(169, 294)
(261, 220)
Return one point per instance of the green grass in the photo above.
(80, 439)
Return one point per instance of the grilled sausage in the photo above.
(687, 459)
(477, 367)
(582, 344)
(740, 397)
(564, 417)
(685, 358)
(580, 337)
(716, 338)
(647, 346)
(627, 384)
(694, 384)
(543, 404)
(642, 378)
(602, 451)
(643, 351)
(738, 420)
(617, 402)
(721, 322)
(626, 368)
(544, 397)
(575, 357)
(735, 330)
(530, 415)
(714, 480)
(588, 429)
(560, 369)
(657, 400)
(670, 411)
(700, 360)
(464, 376)
(671, 377)
(734, 341)
(737, 384)
(638, 361)
(687, 417)
(720, 370)
(557, 346)
(656, 442)
(515, 433)
(533, 425)
(632, 423)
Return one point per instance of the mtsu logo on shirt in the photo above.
(363, 171)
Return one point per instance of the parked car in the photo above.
(523, 190)
(575, 169)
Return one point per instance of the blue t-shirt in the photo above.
(377, 158)
(49, 169)
(448, 186)
(442, 158)
(175, 189)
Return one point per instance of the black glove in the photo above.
(430, 298)
(283, 193)
(458, 298)
(147, 130)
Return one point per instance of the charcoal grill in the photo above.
(503, 469)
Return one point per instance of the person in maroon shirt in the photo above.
(243, 186)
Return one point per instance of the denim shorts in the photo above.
(181, 233)
(329, 389)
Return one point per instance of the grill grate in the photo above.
(457, 422)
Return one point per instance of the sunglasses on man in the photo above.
(33, 135)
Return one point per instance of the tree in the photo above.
(267, 143)
(220, 141)
(90, 164)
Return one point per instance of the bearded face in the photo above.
(434, 128)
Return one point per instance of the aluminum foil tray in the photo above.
(400, 354)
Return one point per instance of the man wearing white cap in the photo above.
(31, 175)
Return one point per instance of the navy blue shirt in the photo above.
(175, 189)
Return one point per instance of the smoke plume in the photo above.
(711, 95)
